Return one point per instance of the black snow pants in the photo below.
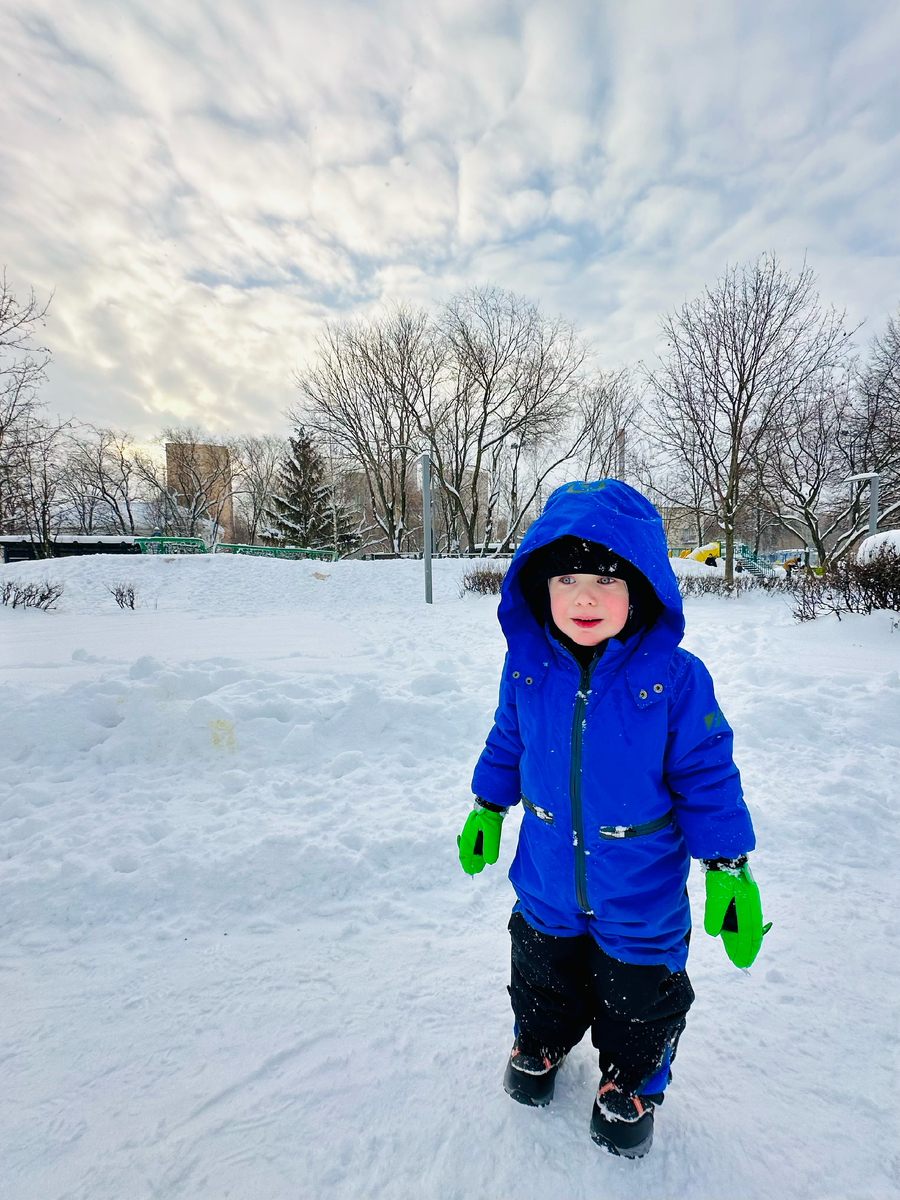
(561, 986)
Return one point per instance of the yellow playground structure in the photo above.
(702, 553)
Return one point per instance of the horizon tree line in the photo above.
(756, 415)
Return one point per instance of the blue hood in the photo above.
(617, 516)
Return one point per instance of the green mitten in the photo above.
(479, 842)
(733, 909)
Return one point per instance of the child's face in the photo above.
(589, 608)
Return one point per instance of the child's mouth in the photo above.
(587, 622)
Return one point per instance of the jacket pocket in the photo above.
(536, 811)
(611, 833)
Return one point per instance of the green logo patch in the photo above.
(597, 486)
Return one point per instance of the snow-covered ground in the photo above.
(240, 958)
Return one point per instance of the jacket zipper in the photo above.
(581, 696)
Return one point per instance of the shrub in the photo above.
(124, 594)
(808, 597)
(875, 583)
(713, 585)
(851, 587)
(31, 595)
(484, 581)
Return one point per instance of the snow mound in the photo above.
(873, 545)
(690, 566)
(226, 584)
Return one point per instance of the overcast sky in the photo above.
(203, 182)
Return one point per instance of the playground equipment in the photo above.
(702, 553)
(750, 561)
(745, 559)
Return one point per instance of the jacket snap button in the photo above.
(657, 687)
(643, 693)
(528, 679)
(515, 674)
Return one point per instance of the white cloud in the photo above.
(204, 184)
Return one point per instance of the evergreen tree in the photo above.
(301, 502)
(304, 511)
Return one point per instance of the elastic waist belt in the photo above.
(611, 832)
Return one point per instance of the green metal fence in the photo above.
(171, 545)
(191, 545)
(750, 561)
(293, 552)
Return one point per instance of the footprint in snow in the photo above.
(233, 781)
(433, 684)
(349, 761)
(124, 864)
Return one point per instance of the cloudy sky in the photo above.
(202, 183)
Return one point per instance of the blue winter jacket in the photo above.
(625, 771)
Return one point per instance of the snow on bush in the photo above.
(872, 546)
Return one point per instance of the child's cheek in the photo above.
(617, 606)
(558, 609)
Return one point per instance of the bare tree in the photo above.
(361, 398)
(805, 461)
(23, 363)
(841, 424)
(192, 482)
(525, 471)
(40, 473)
(736, 355)
(870, 440)
(259, 458)
(103, 483)
(757, 516)
(491, 388)
(876, 441)
(85, 511)
(676, 485)
(507, 383)
(607, 408)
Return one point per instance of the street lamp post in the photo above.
(426, 523)
(872, 477)
(514, 493)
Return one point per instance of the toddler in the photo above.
(611, 737)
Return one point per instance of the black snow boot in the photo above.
(623, 1124)
(530, 1075)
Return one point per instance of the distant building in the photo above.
(200, 478)
(680, 524)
